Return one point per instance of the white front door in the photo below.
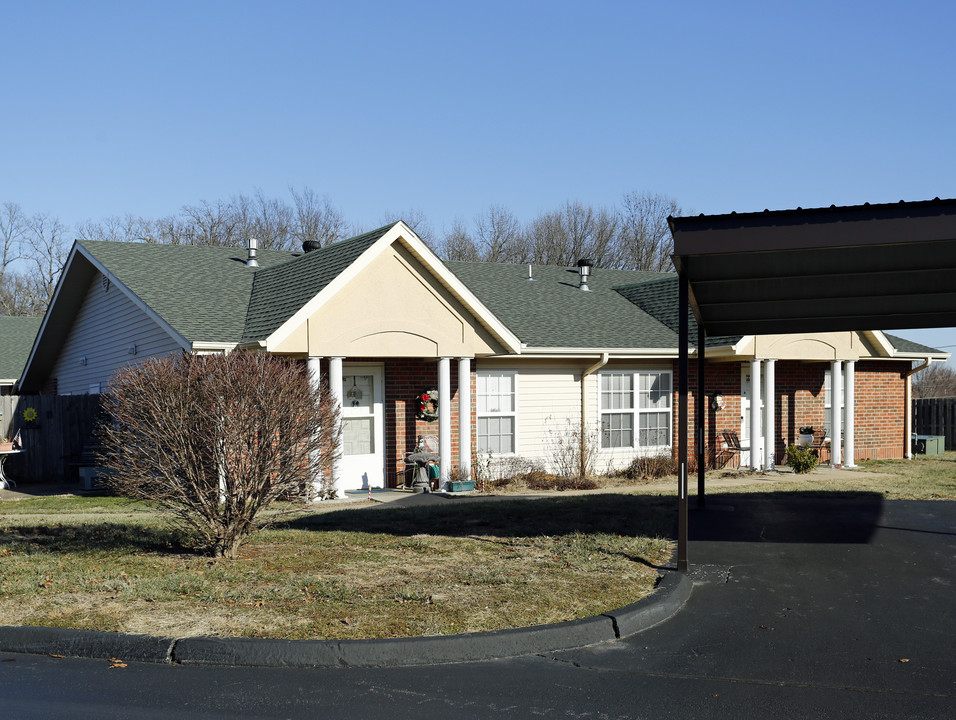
(363, 427)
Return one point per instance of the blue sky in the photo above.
(447, 108)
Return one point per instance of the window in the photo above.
(635, 409)
(828, 403)
(496, 412)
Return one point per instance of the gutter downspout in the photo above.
(908, 403)
(588, 371)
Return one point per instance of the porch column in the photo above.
(314, 365)
(755, 460)
(335, 389)
(848, 459)
(769, 431)
(444, 419)
(836, 401)
(464, 418)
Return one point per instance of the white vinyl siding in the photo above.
(109, 332)
(635, 408)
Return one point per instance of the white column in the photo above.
(769, 443)
(464, 418)
(755, 459)
(836, 401)
(848, 459)
(314, 365)
(444, 419)
(335, 389)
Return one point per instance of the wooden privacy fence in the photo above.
(936, 416)
(53, 431)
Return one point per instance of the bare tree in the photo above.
(934, 382)
(646, 242)
(215, 439)
(499, 236)
(457, 244)
(14, 227)
(316, 219)
(46, 250)
(573, 232)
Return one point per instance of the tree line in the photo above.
(631, 235)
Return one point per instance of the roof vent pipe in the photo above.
(584, 270)
(253, 249)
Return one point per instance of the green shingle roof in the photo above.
(552, 312)
(659, 298)
(201, 292)
(16, 340)
(281, 290)
(904, 345)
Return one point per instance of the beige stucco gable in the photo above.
(819, 346)
(394, 307)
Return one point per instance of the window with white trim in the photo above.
(635, 409)
(496, 412)
(828, 403)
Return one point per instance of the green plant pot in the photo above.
(462, 486)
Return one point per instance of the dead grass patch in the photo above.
(366, 571)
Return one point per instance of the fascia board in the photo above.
(879, 337)
(398, 232)
(46, 316)
(742, 343)
(213, 347)
(135, 299)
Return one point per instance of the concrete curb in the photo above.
(670, 596)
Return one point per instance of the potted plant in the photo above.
(806, 435)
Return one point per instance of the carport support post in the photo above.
(701, 407)
(682, 384)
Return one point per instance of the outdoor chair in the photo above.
(730, 450)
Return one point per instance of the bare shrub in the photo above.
(649, 467)
(573, 450)
(547, 481)
(215, 439)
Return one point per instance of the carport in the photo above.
(861, 267)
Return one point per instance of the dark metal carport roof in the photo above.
(863, 267)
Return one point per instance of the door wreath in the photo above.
(428, 405)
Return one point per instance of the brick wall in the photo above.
(405, 380)
(800, 400)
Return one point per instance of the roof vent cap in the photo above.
(584, 271)
(253, 249)
(310, 245)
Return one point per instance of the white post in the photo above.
(849, 460)
(335, 388)
(464, 418)
(836, 402)
(755, 459)
(769, 442)
(314, 365)
(444, 419)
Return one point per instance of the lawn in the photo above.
(355, 570)
(365, 570)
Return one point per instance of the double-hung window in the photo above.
(497, 411)
(635, 409)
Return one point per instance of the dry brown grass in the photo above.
(354, 571)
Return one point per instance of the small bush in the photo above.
(801, 459)
(650, 467)
(546, 481)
